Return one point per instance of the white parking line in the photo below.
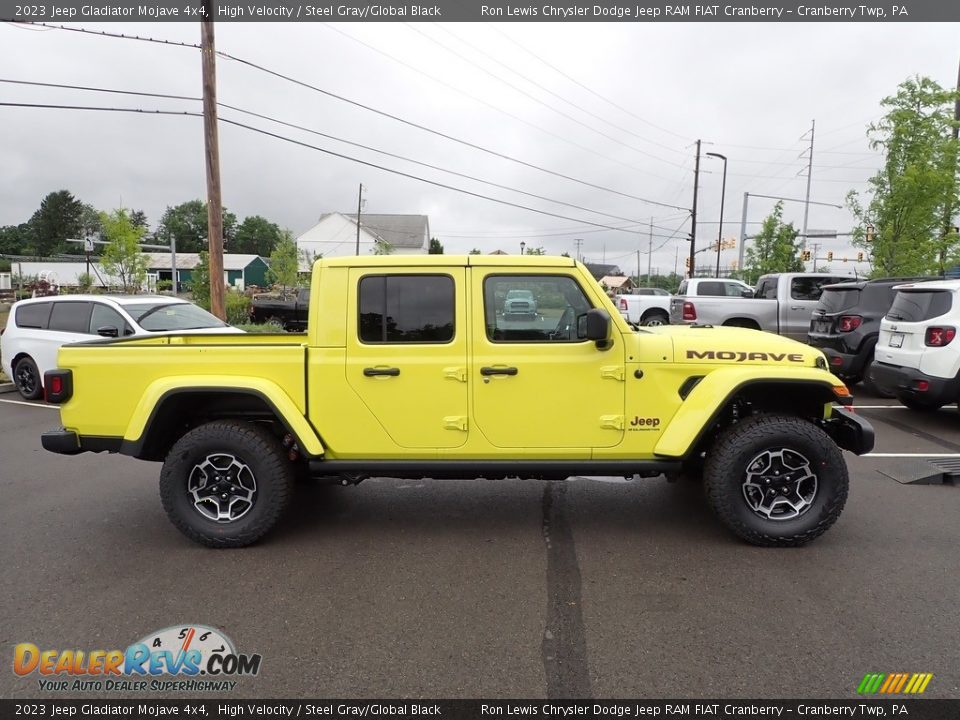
(888, 407)
(29, 404)
(911, 455)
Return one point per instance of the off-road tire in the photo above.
(726, 471)
(26, 376)
(251, 445)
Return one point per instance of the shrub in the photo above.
(238, 308)
(268, 327)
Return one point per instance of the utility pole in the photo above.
(649, 251)
(743, 230)
(676, 259)
(806, 206)
(212, 145)
(579, 242)
(816, 251)
(359, 203)
(693, 212)
(948, 210)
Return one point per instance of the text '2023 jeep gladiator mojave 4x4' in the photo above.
(410, 368)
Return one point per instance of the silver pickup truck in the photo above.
(781, 303)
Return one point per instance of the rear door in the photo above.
(407, 354)
(69, 322)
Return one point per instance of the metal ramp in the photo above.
(920, 471)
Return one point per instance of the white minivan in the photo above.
(918, 354)
(38, 327)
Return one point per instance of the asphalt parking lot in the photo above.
(499, 589)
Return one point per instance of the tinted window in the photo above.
(70, 317)
(914, 306)
(560, 315)
(711, 289)
(406, 308)
(737, 290)
(833, 301)
(767, 289)
(808, 288)
(103, 316)
(34, 315)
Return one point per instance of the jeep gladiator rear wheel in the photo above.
(776, 481)
(226, 483)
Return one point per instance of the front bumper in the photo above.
(907, 382)
(67, 442)
(850, 432)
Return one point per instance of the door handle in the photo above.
(797, 307)
(376, 372)
(498, 371)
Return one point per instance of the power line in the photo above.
(105, 33)
(318, 149)
(460, 141)
(329, 137)
(358, 104)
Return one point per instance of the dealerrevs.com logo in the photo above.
(181, 658)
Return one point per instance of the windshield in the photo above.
(166, 316)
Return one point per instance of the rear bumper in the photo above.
(904, 381)
(844, 365)
(67, 442)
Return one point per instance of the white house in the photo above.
(335, 235)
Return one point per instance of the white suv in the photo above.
(37, 328)
(916, 355)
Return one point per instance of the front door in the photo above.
(407, 354)
(536, 381)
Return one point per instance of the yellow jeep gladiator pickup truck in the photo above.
(416, 367)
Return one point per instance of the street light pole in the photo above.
(723, 195)
(522, 246)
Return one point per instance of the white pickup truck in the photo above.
(645, 306)
(782, 303)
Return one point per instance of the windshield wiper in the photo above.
(152, 310)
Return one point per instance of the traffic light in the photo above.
(830, 256)
(859, 257)
(805, 256)
(871, 230)
(686, 263)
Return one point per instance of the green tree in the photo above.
(916, 191)
(774, 249)
(382, 247)
(57, 219)
(284, 262)
(15, 239)
(534, 251)
(200, 281)
(139, 219)
(122, 256)
(475, 251)
(436, 248)
(257, 236)
(187, 224)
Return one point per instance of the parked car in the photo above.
(916, 356)
(289, 312)
(782, 303)
(845, 325)
(520, 302)
(38, 327)
(714, 287)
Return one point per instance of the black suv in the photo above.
(846, 322)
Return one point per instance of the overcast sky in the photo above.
(615, 105)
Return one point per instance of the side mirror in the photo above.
(108, 331)
(746, 293)
(598, 325)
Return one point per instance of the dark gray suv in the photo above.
(846, 322)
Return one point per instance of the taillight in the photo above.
(849, 322)
(939, 336)
(689, 311)
(57, 385)
(623, 303)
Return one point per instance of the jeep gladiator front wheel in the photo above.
(776, 481)
(225, 484)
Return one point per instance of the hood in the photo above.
(738, 346)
